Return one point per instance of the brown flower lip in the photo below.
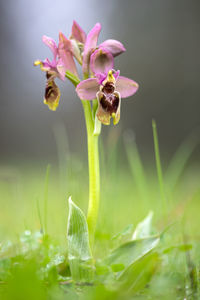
(109, 100)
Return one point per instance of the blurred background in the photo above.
(163, 45)
(43, 154)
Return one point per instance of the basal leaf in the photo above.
(79, 252)
(138, 274)
(144, 228)
(127, 230)
(182, 247)
(130, 252)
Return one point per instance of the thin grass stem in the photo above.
(159, 168)
(39, 214)
(46, 188)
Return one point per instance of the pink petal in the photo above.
(51, 44)
(116, 74)
(113, 46)
(101, 61)
(87, 89)
(52, 63)
(100, 77)
(44, 65)
(78, 33)
(126, 87)
(64, 43)
(65, 55)
(91, 43)
(61, 69)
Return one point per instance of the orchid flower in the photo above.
(84, 48)
(108, 88)
(62, 61)
(82, 45)
(101, 54)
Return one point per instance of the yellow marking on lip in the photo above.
(52, 105)
(110, 76)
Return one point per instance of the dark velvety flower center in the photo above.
(48, 75)
(50, 93)
(108, 88)
(109, 103)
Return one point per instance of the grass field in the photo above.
(34, 211)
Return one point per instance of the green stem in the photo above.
(94, 177)
(93, 158)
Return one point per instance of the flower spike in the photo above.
(102, 81)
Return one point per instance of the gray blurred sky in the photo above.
(162, 38)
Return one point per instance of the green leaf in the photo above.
(101, 269)
(124, 232)
(117, 267)
(75, 80)
(138, 274)
(164, 205)
(183, 248)
(79, 252)
(180, 158)
(130, 252)
(144, 228)
(136, 165)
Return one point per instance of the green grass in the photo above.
(34, 211)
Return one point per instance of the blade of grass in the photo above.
(46, 186)
(159, 168)
(136, 165)
(39, 214)
(180, 159)
(129, 252)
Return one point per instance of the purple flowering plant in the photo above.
(100, 82)
(100, 89)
